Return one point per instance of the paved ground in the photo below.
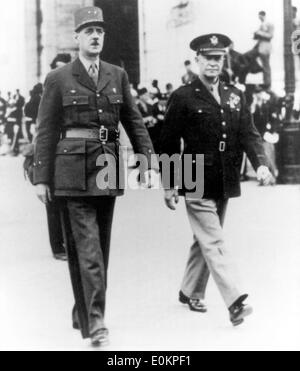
(149, 251)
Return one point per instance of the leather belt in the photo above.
(103, 134)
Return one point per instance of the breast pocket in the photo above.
(76, 108)
(70, 165)
(201, 115)
(115, 102)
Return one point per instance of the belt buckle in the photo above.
(222, 146)
(103, 134)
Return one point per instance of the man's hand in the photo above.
(171, 198)
(264, 176)
(44, 194)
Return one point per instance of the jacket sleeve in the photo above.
(134, 126)
(48, 132)
(250, 138)
(171, 134)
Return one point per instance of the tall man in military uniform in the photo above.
(79, 114)
(212, 119)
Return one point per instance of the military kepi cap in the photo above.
(211, 44)
(88, 16)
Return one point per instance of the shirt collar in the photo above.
(87, 64)
(211, 87)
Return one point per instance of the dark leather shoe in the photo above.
(238, 313)
(61, 257)
(196, 305)
(100, 338)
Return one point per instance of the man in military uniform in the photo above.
(190, 75)
(79, 114)
(3, 106)
(212, 119)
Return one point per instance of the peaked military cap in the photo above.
(211, 44)
(88, 16)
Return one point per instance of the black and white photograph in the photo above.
(149, 178)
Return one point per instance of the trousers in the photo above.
(54, 228)
(208, 254)
(87, 224)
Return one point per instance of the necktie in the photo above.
(93, 72)
(215, 92)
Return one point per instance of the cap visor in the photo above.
(213, 52)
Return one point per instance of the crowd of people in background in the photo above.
(18, 118)
(11, 122)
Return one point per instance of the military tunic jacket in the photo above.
(72, 101)
(220, 132)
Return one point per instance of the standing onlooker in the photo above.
(190, 75)
(145, 106)
(18, 115)
(11, 127)
(3, 106)
(169, 90)
(155, 88)
(153, 113)
(264, 111)
(264, 35)
(9, 97)
(133, 92)
(296, 19)
(31, 109)
(60, 60)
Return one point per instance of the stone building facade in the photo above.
(149, 38)
(58, 28)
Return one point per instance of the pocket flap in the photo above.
(115, 99)
(75, 100)
(71, 147)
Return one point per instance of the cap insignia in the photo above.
(214, 40)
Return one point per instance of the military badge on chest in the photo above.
(234, 102)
